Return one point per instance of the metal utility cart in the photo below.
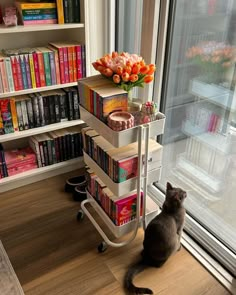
(117, 139)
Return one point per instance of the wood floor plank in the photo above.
(54, 254)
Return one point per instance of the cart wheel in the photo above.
(80, 215)
(102, 247)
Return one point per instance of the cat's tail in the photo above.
(128, 280)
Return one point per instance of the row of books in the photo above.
(120, 164)
(68, 11)
(39, 109)
(120, 210)
(205, 120)
(16, 161)
(57, 63)
(101, 97)
(57, 146)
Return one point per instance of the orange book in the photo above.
(41, 68)
(70, 63)
(60, 12)
(14, 114)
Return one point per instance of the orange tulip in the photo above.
(136, 69)
(116, 79)
(142, 63)
(107, 72)
(114, 54)
(127, 69)
(144, 70)
(95, 65)
(133, 78)
(148, 79)
(128, 63)
(152, 69)
(119, 70)
(100, 68)
(125, 77)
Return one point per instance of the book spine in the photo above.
(52, 109)
(40, 22)
(46, 110)
(4, 76)
(19, 73)
(47, 68)
(78, 61)
(63, 107)
(30, 113)
(2, 160)
(9, 74)
(54, 156)
(60, 12)
(41, 69)
(23, 71)
(28, 74)
(1, 86)
(39, 17)
(66, 65)
(45, 152)
(57, 66)
(35, 105)
(6, 116)
(19, 116)
(25, 115)
(66, 11)
(70, 11)
(83, 61)
(14, 114)
(70, 105)
(49, 148)
(74, 64)
(25, 6)
(1, 124)
(57, 108)
(43, 11)
(76, 11)
(41, 109)
(41, 153)
(35, 147)
(61, 62)
(36, 69)
(70, 63)
(52, 67)
(76, 114)
(14, 72)
(32, 72)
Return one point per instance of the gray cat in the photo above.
(161, 238)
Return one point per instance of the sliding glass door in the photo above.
(198, 98)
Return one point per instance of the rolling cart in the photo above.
(117, 139)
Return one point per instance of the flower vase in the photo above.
(130, 96)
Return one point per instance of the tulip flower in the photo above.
(116, 79)
(148, 79)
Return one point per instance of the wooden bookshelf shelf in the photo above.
(33, 90)
(38, 174)
(35, 28)
(38, 130)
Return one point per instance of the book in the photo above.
(47, 69)
(57, 63)
(70, 11)
(60, 49)
(23, 71)
(1, 86)
(24, 113)
(19, 114)
(69, 103)
(28, 71)
(51, 55)
(41, 11)
(31, 6)
(66, 11)
(3, 162)
(3, 73)
(75, 99)
(6, 116)
(46, 108)
(76, 10)
(60, 12)
(41, 67)
(9, 73)
(1, 123)
(14, 114)
(35, 106)
(39, 140)
(62, 105)
(30, 112)
(41, 109)
(40, 22)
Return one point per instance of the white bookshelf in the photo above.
(33, 90)
(36, 36)
(38, 174)
(36, 28)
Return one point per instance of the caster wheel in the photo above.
(102, 247)
(80, 215)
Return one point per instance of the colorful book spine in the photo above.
(32, 71)
(70, 63)
(25, 6)
(83, 61)
(19, 115)
(40, 17)
(9, 73)
(74, 64)
(40, 22)
(66, 64)
(36, 69)
(14, 72)
(19, 73)
(25, 114)
(52, 67)
(1, 124)
(42, 11)
(3, 73)
(60, 12)
(47, 69)
(41, 69)
(61, 62)
(1, 86)
(78, 61)
(14, 114)
(28, 73)
(6, 115)
(23, 71)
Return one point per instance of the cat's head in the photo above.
(175, 196)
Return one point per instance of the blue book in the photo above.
(40, 17)
(28, 73)
(23, 71)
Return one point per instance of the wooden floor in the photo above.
(54, 254)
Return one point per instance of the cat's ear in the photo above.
(168, 186)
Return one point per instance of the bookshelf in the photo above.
(36, 36)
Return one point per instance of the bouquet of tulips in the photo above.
(125, 70)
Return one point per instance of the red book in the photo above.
(41, 69)
(19, 156)
(78, 61)
(74, 64)
(19, 73)
(14, 73)
(36, 69)
(66, 65)
(70, 63)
